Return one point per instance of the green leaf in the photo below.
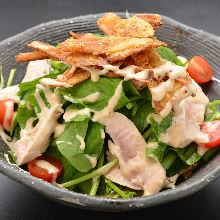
(214, 111)
(13, 156)
(169, 55)
(68, 170)
(159, 128)
(94, 141)
(106, 88)
(156, 153)
(69, 146)
(210, 153)
(23, 115)
(31, 85)
(140, 118)
(188, 154)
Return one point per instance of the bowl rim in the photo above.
(100, 203)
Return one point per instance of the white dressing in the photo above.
(82, 142)
(69, 115)
(101, 116)
(90, 98)
(92, 160)
(152, 145)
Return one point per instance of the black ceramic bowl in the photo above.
(185, 40)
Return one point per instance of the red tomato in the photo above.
(6, 109)
(199, 69)
(42, 173)
(213, 131)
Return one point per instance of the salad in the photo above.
(115, 115)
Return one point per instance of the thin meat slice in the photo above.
(35, 142)
(36, 69)
(130, 148)
(113, 25)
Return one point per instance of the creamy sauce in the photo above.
(152, 145)
(129, 72)
(63, 142)
(160, 91)
(58, 130)
(69, 115)
(90, 98)
(82, 142)
(100, 116)
(155, 116)
(171, 70)
(53, 82)
(102, 134)
(95, 74)
(92, 160)
(28, 127)
(51, 169)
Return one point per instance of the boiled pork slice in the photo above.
(129, 147)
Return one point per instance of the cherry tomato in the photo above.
(213, 131)
(199, 69)
(6, 110)
(36, 170)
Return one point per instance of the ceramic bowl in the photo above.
(185, 40)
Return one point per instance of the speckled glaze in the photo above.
(186, 41)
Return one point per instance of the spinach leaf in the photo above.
(214, 111)
(159, 152)
(159, 128)
(25, 87)
(23, 115)
(94, 141)
(106, 88)
(69, 145)
(138, 113)
(170, 55)
(68, 170)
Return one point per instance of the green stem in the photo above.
(147, 133)
(116, 189)
(96, 182)
(11, 77)
(101, 171)
(217, 102)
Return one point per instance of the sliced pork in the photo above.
(35, 141)
(36, 69)
(130, 148)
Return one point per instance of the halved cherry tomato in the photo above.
(213, 130)
(38, 171)
(6, 110)
(199, 69)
